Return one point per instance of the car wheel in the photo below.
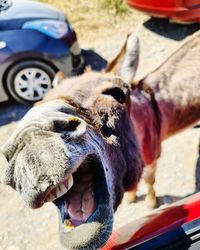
(29, 81)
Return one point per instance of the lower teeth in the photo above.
(68, 225)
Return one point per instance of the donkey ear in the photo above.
(126, 62)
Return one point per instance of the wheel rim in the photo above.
(32, 84)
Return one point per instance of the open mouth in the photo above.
(82, 195)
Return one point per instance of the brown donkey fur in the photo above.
(164, 102)
(101, 129)
(175, 101)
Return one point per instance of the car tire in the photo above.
(29, 81)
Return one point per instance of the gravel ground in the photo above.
(25, 229)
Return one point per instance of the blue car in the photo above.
(36, 41)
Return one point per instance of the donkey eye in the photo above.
(116, 93)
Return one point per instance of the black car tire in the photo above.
(14, 83)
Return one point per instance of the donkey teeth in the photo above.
(60, 189)
(68, 226)
(50, 197)
(68, 183)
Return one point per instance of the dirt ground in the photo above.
(25, 229)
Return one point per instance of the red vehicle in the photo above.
(176, 227)
(178, 10)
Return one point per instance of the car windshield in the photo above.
(5, 4)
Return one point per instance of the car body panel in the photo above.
(31, 40)
(157, 223)
(3, 94)
(31, 9)
(182, 11)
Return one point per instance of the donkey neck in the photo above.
(176, 87)
(145, 117)
(178, 101)
(174, 107)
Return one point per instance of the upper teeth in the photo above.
(60, 189)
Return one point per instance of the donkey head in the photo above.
(77, 148)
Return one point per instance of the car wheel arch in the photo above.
(16, 61)
(25, 60)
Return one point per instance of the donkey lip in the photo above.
(90, 185)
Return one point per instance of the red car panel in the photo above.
(156, 223)
(178, 10)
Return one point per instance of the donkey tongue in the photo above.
(80, 206)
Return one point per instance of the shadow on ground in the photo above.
(170, 30)
(12, 111)
(165, 199)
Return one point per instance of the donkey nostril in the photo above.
(76, 126)
(73, 124)
(69, 125)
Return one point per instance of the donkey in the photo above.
(88, 141)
